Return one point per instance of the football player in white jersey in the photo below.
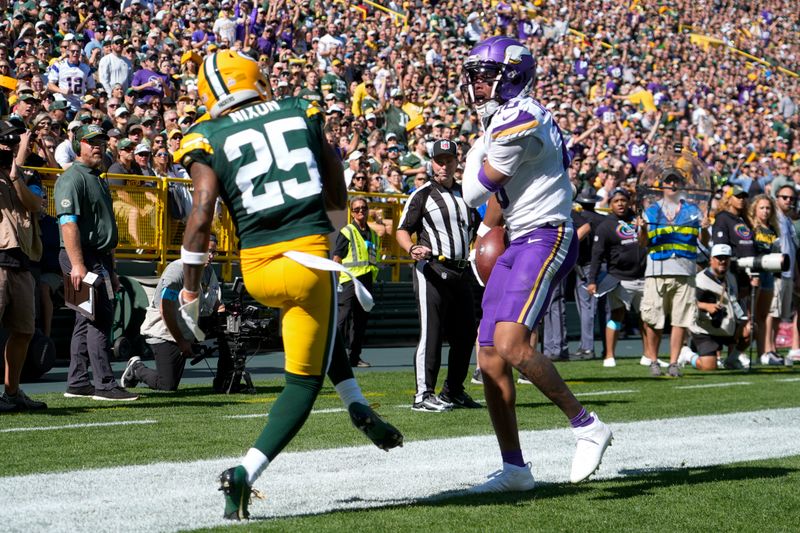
(71, 77)
(520, 166)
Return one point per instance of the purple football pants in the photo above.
(524, 277)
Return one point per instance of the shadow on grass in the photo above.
(632, 484)
(150, 400)
(688, 375)
(593, 401)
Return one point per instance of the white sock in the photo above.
(255, 462)
(349, 391)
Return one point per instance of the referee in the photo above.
(445, 226)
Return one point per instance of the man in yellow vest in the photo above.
(356, 248)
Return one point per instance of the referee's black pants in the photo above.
(446, 311)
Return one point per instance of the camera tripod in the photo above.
(236, 353)
(232, 381)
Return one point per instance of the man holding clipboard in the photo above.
(88, 238)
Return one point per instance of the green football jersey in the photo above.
(267, 157)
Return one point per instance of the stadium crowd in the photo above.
(624, 80)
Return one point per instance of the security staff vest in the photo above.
(361, 255)
(673, 238)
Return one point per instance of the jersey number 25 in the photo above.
(296, 169)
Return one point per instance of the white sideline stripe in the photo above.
(314, 412)
(787, 380)
(178, 496)
(605, 392)
(78, 426)
(715, 385)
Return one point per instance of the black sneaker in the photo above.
(117, 394)
(581, 355)
(6, 406)
(128, 378)
(86, 391)
(460, 401)
(23, 402)
(431, 404)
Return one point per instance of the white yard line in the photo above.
(606, 392)
(715, 385)
(788, 380)
(80, 426)
(175, 496)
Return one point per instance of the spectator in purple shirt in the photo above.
(582, 67)
(639, 147)
(607, 113)
(149, 83)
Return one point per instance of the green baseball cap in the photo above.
(89, 132)
(124, 144)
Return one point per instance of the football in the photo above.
(488, 249)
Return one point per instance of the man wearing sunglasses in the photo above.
(783, 303)
(71, 77)
(88, 238)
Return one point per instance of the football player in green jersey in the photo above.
(276, 173)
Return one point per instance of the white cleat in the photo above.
(510, 479)
(609, 362)
(685, 357)
(592, 443)
(644, 361)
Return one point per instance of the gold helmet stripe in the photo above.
(212, 75)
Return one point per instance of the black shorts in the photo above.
(704, 345)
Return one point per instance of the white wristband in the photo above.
(193, 258)
(483, 229)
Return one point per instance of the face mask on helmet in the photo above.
(502, 63)
(481, 72)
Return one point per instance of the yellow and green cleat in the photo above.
(233, 483)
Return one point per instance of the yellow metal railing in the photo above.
(384, 216)
(148, 231)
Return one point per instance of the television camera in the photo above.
(243, 330)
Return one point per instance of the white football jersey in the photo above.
(522, 141)
(76, 79)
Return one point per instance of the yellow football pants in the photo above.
(306, 297)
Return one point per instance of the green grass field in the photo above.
(194, 424)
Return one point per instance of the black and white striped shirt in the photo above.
(441, 219)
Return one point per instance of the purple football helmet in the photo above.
(506, 64)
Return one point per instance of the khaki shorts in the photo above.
(627, 294)
(17, 310)
(782, 299)
(673, 296)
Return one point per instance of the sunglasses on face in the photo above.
(788, 198)
(359, 210)
(162, 154)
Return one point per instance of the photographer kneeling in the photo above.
(168, 335)
(720, 322)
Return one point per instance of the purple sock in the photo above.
(582, 419)
(513, 458)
